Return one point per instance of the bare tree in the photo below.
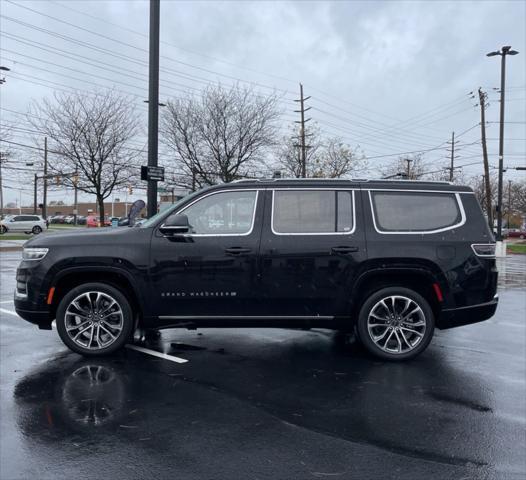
(88, 136)
(410, 167)
(289, 153)
(221, 135)
(518, 197)
(326, 157)
(478, 185)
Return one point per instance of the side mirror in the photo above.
(175, 224)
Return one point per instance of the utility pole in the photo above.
(452, 166)
(505, 51)
(153, 104)
(44, 201)
(509, 202)
(408, 171)
(489, 208)
(303, 146)
(2, 157)
(35, 197)
(75, 196)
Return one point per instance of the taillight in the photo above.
(484, 249)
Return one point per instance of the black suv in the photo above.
(387, 260)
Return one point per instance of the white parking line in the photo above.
(164, 356)
(6, 301)
(157, 354)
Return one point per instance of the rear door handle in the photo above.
(237, 251)
(344, 250)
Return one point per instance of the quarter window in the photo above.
(223, 213)
(415, 211)
(312, 211)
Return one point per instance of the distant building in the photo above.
(118, 209)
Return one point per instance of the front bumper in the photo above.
(39, 318)
(27, 310)
(456, 317)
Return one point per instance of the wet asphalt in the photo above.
(266, 403)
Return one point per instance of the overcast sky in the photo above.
(389, 77)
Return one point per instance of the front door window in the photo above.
(225, 213)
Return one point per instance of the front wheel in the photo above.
(396, 323)
(3, 229)
(36, 230)
(94, 319)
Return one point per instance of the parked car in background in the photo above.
(57, 219)
(94, 220)
(125, 222)
(69, 219)
(23, 223)
(81, 220)
(516, 233)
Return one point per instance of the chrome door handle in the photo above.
(237, 251)
(344, 250)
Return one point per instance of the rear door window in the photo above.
(415, 212)
(312, 212)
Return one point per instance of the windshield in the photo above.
(166, 212)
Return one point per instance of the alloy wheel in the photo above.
(94, 320)
(396, 324)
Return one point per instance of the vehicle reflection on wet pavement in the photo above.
(268, 404)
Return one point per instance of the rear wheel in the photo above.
(94, 319)
(36, 230)
(396, 323)
(3, 229)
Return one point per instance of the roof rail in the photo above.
(382, 180)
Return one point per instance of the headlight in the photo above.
(33, 253)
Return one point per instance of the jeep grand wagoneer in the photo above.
(388, 260)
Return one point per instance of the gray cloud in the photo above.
(371, 67)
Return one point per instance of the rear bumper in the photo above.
(456, 317)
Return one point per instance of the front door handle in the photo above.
(237, 251)
(344, 250)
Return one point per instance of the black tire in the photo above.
(36, 230)
(420, 339)
(3, 229)
(120, 301)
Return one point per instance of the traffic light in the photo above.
(57, 179)
(130, 190)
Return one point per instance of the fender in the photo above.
(103, 269)
(380, 269)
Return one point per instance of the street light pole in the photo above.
(503, 53)
(153, 104)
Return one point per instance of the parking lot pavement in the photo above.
(276, 404)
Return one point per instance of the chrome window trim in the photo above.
(224, 234)
(416, 190)
(413, 232)
(331, 189)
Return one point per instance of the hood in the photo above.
(87, 237)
